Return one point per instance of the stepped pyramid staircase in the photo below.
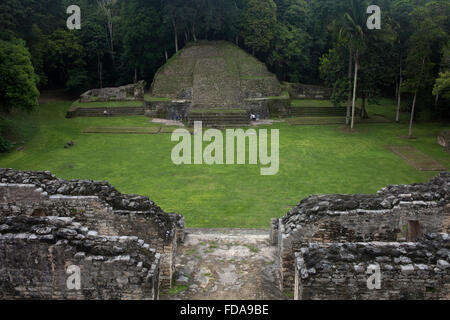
(219, 118)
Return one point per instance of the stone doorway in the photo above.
(414, 231)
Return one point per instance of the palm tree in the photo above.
(352, 31)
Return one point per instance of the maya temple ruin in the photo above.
(126, 247)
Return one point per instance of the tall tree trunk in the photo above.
(412, 114)
(166, 55)
(363, 107)
(396, 87)
(175, 35)
(100, 71)
(135, 75)
(349, 97)
(193, 33)
(105, 7)
(354, 90)
(414, 101)
(399, 97)
(436, 101)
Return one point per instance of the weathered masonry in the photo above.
(131, 92)
(407, 270)
(37, 254)
(95, 205)
(397, 213)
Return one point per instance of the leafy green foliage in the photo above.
(17, 77)
(442, 85)
(258, 22)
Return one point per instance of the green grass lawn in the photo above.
(296, 121)
(313, 160)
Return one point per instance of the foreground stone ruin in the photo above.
(322, 241)
(125, 246)
(407, 270)
(38, 252)
(95, 205)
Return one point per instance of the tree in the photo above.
(352, 32)
(94, 43)
(17, 78)
(258, 24)
(139, 33)
(106, 7)
(290, 48)
(173, 15)
(442, 85)
(427, 33)
(64, 58)
(402, 25)
(333, 72)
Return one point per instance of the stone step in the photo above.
(117, 111)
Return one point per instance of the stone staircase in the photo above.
(99, 112)
(219, 118)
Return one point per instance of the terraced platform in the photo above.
(219, 118)
(213, 73)
(113, 108)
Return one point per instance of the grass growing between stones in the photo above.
(313, 160)
(107, 104)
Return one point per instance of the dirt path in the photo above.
(225, 264)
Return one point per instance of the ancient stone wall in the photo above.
(343, 270)
(39, 255)
(98, 206)
(395, 213)
(264, 107)
(167, 109)
(129, 92)
(444, 140)
(75, 111)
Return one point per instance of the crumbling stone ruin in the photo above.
(332, 234)
(444, 140)
(95, 205)
(38, 252)
(408, 270)
(212, 75)
(130, 92)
